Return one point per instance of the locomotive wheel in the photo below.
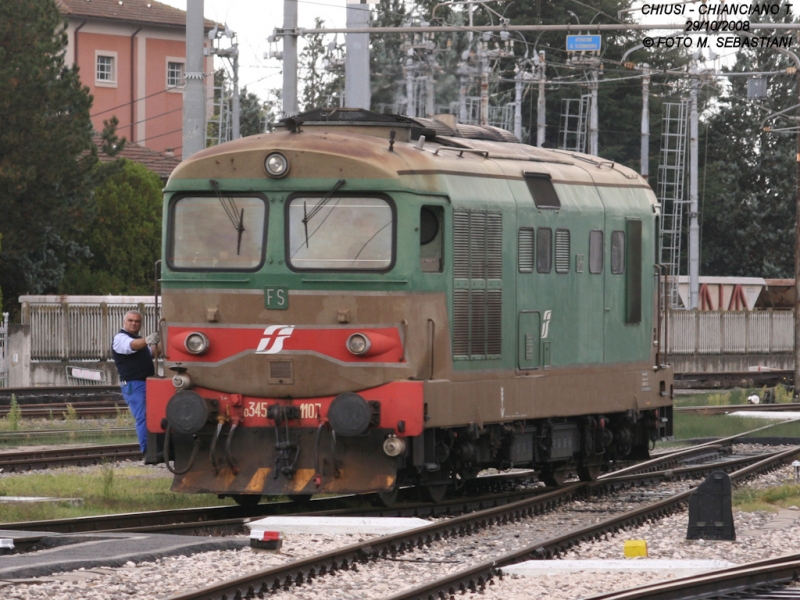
(433, 493)
(589, 472)
(299, 498)
(553, 477)
(246, 499)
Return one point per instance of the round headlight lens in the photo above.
(196, 343)
(358, 344)
(276, 165)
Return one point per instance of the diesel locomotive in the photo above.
(359, 302)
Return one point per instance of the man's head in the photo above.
(132, 322)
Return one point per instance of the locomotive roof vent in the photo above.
(408, 128)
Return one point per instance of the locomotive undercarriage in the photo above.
(299, 461)
(556, 448)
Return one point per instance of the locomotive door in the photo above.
(528, 355)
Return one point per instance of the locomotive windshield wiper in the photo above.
(307, 216)
(229, 206)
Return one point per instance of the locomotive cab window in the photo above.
(542, 190)
(431, 239)
(224, 233)
(340, 233)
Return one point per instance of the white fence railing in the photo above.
(80, 328)
(729, 332)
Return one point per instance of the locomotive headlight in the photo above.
(276, 165)
(196, 343)
(358, 344)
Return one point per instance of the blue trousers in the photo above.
(134, 394)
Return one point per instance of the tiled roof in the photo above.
(131, 11)
(158, 162)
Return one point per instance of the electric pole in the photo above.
(194, 92)
(356, 75)
(289, 58)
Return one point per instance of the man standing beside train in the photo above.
(133, 356)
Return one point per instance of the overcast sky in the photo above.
(253, 21)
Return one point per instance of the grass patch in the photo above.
(105, 489)
(735, 396)
(703, 426)
(27, 432)
(772, 499)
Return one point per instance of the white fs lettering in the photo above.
(273, 339)
(546, 323)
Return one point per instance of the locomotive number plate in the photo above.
(276, 298)
(256, 409)
(310, 411)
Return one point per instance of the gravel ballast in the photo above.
(759, 535)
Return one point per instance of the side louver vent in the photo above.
(525, 250)
(562, 250)
(477, 295)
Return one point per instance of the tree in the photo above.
(321, 86)
(46, 150)
(251, 113)
(124, 237)
(112, 143)
(747, 184)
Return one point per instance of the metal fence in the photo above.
(80, 328)
(4, 350)
(729, 332)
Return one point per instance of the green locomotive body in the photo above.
(365, 301)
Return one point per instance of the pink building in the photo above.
(132, 56)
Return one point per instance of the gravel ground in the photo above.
(665, 539)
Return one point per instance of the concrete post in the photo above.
(194, 91)
(289, 93)
(694, 227)
(593, 150)
(518, 103)
(411, 95)
(645, 154)
(430, 96)
(236, 119)
(540, 103)
(484, 87)
(356, 78)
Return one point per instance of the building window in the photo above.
(105, 69)
(175, 72)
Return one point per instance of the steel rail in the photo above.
(26, 434)
(728, 582)
(58, 393)
(80, 456)
(477, 576)
(303, 570)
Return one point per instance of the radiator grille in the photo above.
(478, 272)
(562, 250)
(280, 369)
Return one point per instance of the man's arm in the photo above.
(124, 344)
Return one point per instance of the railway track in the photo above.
(229, 520)
(50, 394)
(34, 434)
(27, 460)
(754, 580)
(389, 547)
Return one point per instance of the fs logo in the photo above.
(546, 323)
(273, 339)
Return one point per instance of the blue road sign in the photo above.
(578, 43)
